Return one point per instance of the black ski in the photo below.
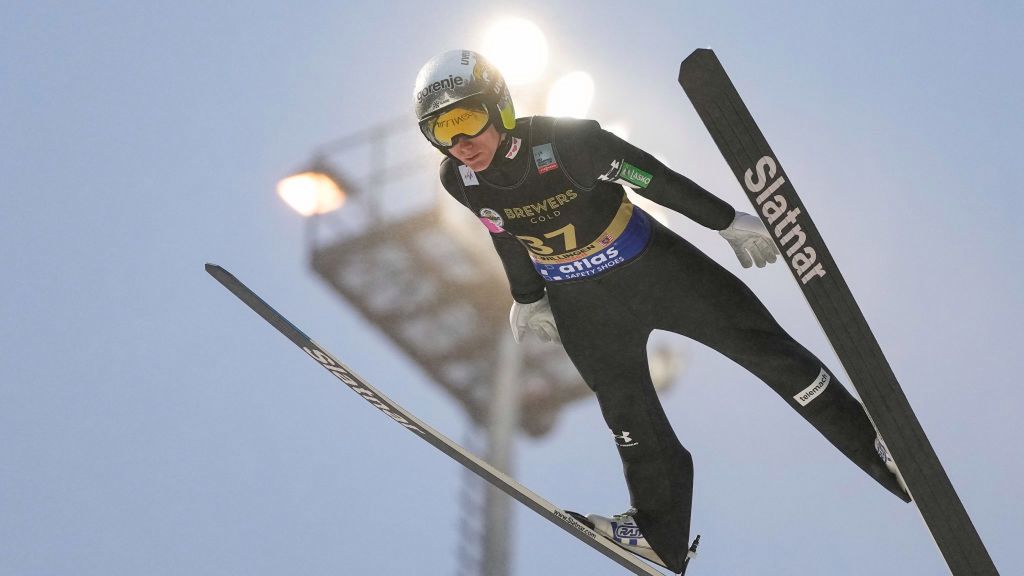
(481, 468)
(775, 200)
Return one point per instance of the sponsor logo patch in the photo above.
(624, 240)
(625, 174)
(513, 150)
(613, 173)
(805, 396)
(635, 176)
(627, 532)
(544, 156)
(468, 176)
(492, 220)
(624, 440)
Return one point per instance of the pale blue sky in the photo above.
(150, 424)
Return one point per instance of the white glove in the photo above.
(535, 317)
(749, 239)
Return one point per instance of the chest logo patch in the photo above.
(492, 220)
(544, 156)
(468, 176)
(513, 149)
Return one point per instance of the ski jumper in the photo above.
(554, 203)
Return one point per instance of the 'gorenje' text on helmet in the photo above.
(458, 75)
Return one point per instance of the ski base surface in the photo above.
(775, 201)
(401, 416)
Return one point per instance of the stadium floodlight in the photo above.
(518, 48)
(312, 192)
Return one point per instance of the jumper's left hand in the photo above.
(750, 241)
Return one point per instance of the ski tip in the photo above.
(699, 59)
(698, 55)
(217, 271)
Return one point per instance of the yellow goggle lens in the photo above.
(466, 121)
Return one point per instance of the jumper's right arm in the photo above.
(524, 282)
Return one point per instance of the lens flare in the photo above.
(571, 95)
(518, 48)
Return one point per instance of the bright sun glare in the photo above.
(518, 48)
(571, 95)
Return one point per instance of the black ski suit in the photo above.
(554, 202)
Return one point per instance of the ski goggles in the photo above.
(469, 120)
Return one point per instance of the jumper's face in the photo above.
(477, 152)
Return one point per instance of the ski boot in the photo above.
(622, 530)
